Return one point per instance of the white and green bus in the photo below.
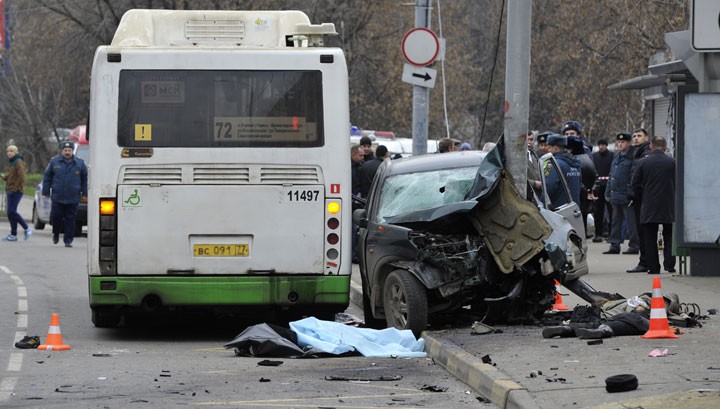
(221, 171)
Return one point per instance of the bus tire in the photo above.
(405, 302)
(36, 220)
(105, 318)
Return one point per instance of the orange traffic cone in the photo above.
(659, 326)
(559, 305)
(54, 340)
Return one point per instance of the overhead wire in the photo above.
(492, 73)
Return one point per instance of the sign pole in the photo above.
(517, 90)
(421, 95)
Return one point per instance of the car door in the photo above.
(571, 210)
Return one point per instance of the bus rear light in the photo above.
(107, 237)
(333, 207)
(333, 238)
(333, 223)
(107, 207)
(332, 254)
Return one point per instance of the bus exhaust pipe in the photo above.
(151, 303)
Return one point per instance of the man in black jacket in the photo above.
(369, 168)
(603, 160)
(654, 181)
(641, 147)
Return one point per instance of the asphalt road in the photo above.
(176, 362)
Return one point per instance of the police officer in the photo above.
(616, 192)
(65, 181)
(570, 168)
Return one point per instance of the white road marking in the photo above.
(7, 384)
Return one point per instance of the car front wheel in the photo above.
(405, 302)
(36, 220)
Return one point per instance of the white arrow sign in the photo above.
(421, 76)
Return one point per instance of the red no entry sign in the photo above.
(420, 47)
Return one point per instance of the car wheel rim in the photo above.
(399, 305)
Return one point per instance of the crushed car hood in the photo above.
(515, 229)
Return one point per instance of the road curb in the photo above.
(484, 379)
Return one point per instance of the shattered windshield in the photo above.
(424, 190)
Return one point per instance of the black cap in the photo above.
(602, 141)
(572, 125)
(557, 140)
(542, 137)
(624, 136)
(67, 144)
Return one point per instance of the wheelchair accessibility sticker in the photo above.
(131, 198)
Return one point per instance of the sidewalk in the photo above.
(530, 372)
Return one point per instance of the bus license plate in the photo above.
(221, 250)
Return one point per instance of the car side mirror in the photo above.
(360, 217)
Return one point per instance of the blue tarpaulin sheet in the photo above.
(337, 338)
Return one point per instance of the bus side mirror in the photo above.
(360, 217)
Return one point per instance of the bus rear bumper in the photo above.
(220, 291)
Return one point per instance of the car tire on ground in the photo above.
(36, 220)
(370, 320)
(405, 302)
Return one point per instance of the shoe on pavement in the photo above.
(68, 244)
(562, 331)
(597, 239)
(603, 331)
(56, 238)
(10, 237)
(670, 269)
(638, 269)
(28, 233)
(612, 250)
(653, 272)
(28, 342)
(631, 251)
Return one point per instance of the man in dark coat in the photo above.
(653, 180)
(369, 168)
(616, 192)
(641, 147)
(603, 161)
(65, 182)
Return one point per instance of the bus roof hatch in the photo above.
(217, 28)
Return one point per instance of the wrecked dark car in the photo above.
(448, 231)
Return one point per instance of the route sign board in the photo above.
(420, 47)
(705, 25)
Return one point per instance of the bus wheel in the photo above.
(105, 318)
(405, 302)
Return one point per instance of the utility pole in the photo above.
(517, 90)
(421, 95)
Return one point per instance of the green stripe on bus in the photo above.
(221, 290)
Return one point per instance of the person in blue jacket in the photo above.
(65, 182)
(570, 168)
(616, 192)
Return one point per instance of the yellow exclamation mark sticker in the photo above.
(143, 132)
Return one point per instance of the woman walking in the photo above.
(14, 185)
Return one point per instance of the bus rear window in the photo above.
(220, 109)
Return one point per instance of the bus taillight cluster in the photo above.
(332, 235)
(108, 237)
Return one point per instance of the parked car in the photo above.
(443, 232)
(42, 205)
